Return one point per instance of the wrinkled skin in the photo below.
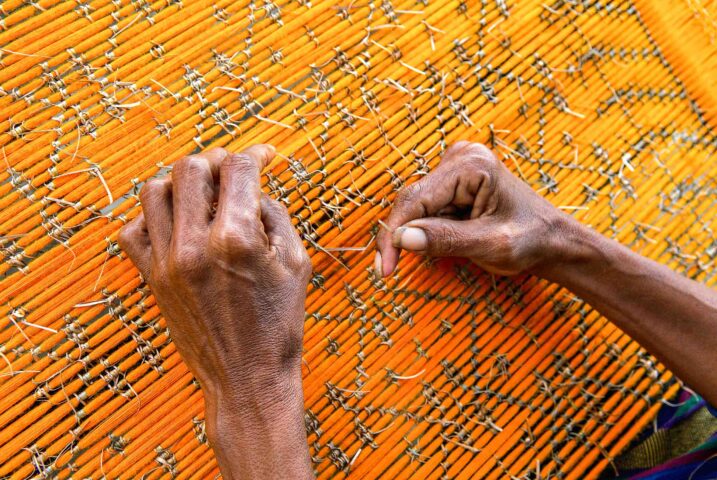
(472, 206)
(232, 284)
(232, 287)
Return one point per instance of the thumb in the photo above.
(441, 237)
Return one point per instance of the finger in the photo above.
(282, 235)
(134, 240)
(440, 237)
(486, 161)
(240, 191)
(156, 198)
(462, 179)
(193, 194)
(215, 157)
(423, 198)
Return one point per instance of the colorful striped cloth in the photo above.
(682, 444)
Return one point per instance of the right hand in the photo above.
(472, 206)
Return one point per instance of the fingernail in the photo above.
(411, 238)
(378, 265)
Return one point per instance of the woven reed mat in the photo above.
(441, 371)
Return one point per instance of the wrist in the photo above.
(247, 426)
(255, 399)
(571, 245)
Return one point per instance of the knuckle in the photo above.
(185, 261)
(221, 239)
(480, 161)
(275, 208)
(506, 242)
(242, 221)
(482, 156)
(457, 147)
(303, 263)
(126, 235)
(191, 165)
(238, 161)
(153, 188)
(231, 241)
(455, 152)
(408, 193)
(218, 152)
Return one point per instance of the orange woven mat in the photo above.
(441, 371)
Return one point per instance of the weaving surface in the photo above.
(440, 371)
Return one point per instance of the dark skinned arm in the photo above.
(506, 228)
(231, 286)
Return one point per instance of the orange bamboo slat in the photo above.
(605, 108)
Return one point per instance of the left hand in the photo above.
(231, 286)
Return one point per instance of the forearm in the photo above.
(260, 433)
(673, 317)
(229, 273)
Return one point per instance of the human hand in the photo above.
(472, 206)
(231, 285)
